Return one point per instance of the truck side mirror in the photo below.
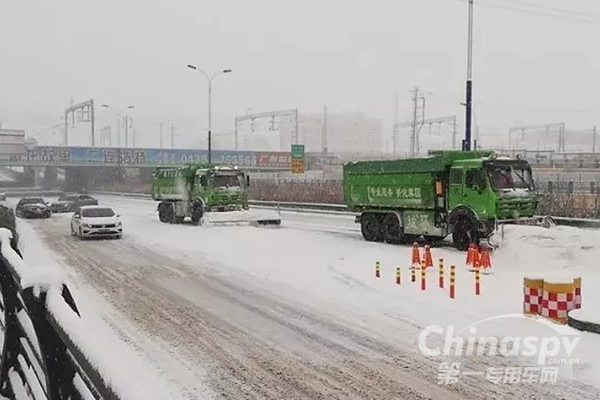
(248, 180)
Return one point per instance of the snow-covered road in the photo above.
(296, 312)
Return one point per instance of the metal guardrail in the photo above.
(291, 206)
(343, 209)
(22, 192)
(296, 206)
(40, 359)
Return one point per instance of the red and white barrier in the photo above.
(577, 282)
(558, 299)
(533, 290)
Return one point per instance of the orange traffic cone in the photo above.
(470, 255)
(428, 258)
(476, 256)
(486, 262)
(416, 256)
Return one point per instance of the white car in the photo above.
(96, 221)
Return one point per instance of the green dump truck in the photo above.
(198, 190)
(462, 193)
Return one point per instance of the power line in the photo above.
(560, 14)
(538, 6)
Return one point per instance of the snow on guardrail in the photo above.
(50, 349)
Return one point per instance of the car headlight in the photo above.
(119, 223)
(85, 225)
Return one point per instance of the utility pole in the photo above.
(324, 132)
(161, 135)
(296, 133)
(422, 123)
(236, 135)
(416, 127)
(396, 121)
(594, 140)
(561, 137)
(454, 129)
(413, 135)
(126, 130)
(467, 141)
(132, 132)
(172, 136)
(93, 122)
(119, 121)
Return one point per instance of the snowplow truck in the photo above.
(466, 194)
(197, 191)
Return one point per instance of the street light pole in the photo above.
(210, 118)
(209, 79)
(469, 100)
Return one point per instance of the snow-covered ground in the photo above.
(274, 302)
(131, 376)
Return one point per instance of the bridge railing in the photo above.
(41, 359)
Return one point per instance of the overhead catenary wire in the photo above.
(541, 11)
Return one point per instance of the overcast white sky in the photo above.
(351, 55)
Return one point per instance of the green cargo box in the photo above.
(402, 183)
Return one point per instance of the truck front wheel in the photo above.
(464, 234)
(392, 231)
(371, 228)
(197, 213)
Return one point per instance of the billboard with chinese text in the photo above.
(108, 156)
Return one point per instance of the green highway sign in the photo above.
(297, 151)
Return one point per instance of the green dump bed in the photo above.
(403, 183)
(171, 183)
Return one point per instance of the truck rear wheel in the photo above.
(464, 234)
(392, 230)
(162, 213)
(197, 213)
(371, 228)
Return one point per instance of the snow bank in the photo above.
(246, 216)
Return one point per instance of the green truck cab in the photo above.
(460, 193)
(192, 191)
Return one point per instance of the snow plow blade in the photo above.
(543, 221)
(245, 217)
(494, 239)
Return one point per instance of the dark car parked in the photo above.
(33, 207)
(85, 200)
(65, 203)
(68, 202)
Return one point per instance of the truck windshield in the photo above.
(227, 181)
(510, 177)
